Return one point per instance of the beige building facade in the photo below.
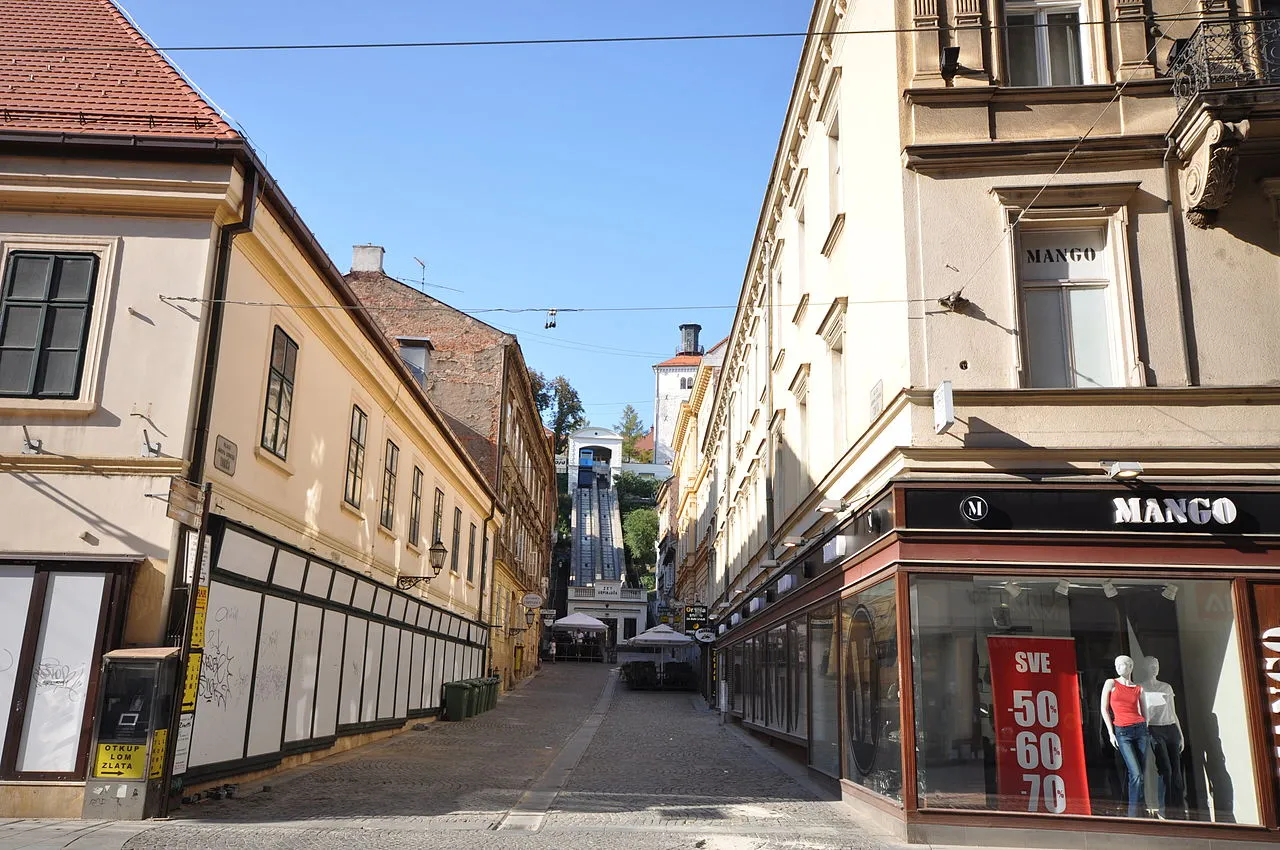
(170, 328)
(1003, 374)
(477, 376)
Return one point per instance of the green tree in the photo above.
(648, 580)
(631, 428)
(640, 532)
(634, 491)
(541, 391)
(567, 415)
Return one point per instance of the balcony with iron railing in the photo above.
(1228, 54)
(626, 594)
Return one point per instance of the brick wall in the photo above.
(464, 378)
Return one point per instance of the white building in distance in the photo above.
(672, 382)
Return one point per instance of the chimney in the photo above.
(366, 258)
(689, 339)
(415, 351)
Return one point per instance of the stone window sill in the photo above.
(283, 467)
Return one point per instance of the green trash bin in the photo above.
(475, 703)
(457, 700)
(492, 687)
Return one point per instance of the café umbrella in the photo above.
(660, 636)
(579, 623)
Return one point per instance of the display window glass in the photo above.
(872, 704)
(824, 693)
(1119, 697)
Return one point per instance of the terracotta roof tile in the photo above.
(681, 360)
(78, 66)
(645, 443)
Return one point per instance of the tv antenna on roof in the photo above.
(423, 266)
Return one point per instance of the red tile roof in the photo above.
(78, 66)
(681, 360)
(645, 443)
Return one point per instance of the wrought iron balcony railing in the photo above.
(1226, 54)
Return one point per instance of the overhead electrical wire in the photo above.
(429, 308)
(554, 41)
(1011, 226)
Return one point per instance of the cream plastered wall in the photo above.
(839, 255)
(964, 243)
(300, 499)
(92, 489)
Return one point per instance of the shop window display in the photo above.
(797, 634)
(824, 664)
(869, 646)
(1119, 697)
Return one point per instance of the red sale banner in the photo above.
(1039, 737)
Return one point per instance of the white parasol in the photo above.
(660, 636)
(579, 623)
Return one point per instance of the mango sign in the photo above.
(120, 761)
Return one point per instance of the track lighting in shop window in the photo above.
(1170, 592)
(1109, 588)
(1063, 588)
(1013, 589)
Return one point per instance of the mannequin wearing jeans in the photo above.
(1126, 719)
(1167, 741)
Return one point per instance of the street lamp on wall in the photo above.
(435, 560)
(529, 616)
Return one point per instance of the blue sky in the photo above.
(614, 175)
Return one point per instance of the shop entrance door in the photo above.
(51, 643)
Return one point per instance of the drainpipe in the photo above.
(1176, 224)
(199, 437)
(770, 448)
(213, 336)
(484, 546)
(493, 502)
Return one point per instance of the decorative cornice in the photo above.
(832, 327)
(142, 196)
(1113, 396)
(965, 156)
(51, 464)
(1067, 195)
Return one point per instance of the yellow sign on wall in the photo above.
(120, 761)
(191, 684)
(197, 623)
(158, 742)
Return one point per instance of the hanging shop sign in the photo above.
(1144, 509)
(695, 617)
(1039, 739)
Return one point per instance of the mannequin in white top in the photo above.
(1167, 740)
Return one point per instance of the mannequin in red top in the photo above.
(1126, 719)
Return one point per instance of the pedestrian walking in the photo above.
(551, 650)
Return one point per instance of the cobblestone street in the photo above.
(572, 760)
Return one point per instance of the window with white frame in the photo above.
(1068, 296)
(1046, 43)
